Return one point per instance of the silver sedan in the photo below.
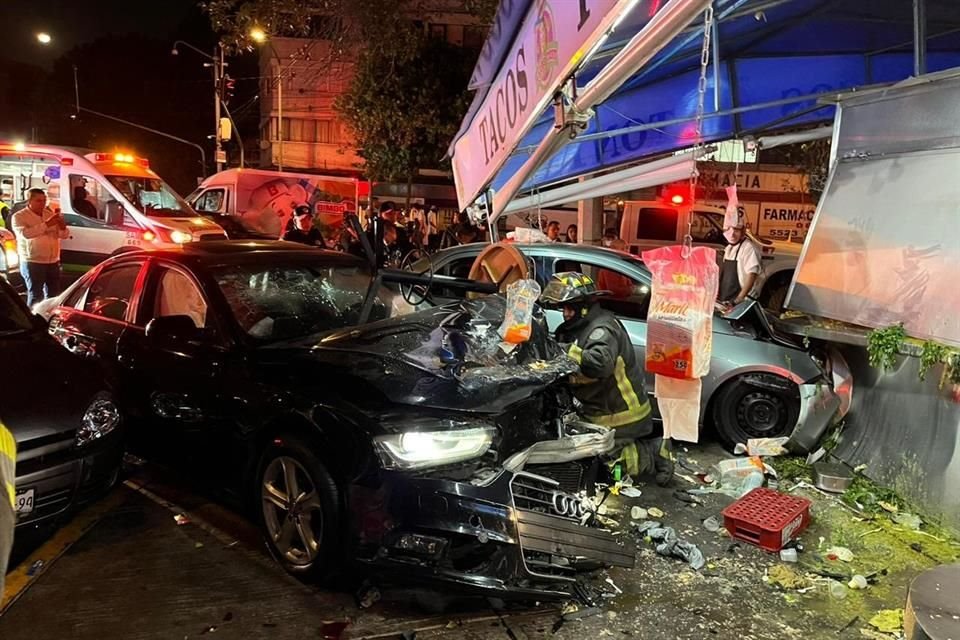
(761, 384)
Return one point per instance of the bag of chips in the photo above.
(517, 324)
(680, 321)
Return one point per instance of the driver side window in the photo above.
(88, 197)
(110, 294)
(177, 295)
(210, 201)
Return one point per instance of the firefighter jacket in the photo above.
(610, 383)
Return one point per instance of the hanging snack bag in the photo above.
(680, 321)
(518, 319)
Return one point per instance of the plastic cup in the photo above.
(838, 591)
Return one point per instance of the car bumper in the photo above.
(819, 407)
(515, 535)
(66, 480)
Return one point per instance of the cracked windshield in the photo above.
(286, 301)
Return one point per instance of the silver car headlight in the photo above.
(100, 418)
(421, 449)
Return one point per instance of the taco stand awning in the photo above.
(635, 66)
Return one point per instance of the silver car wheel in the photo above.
(292, 511)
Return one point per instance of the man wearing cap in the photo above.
(302, 229)
(610, 383)
(741, 263)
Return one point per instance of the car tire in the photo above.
(755, 406)
(302, 532)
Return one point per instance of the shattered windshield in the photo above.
(152, 196)
(278, 302)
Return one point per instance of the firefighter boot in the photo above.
(662, 460)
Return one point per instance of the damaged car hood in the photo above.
(448, 357)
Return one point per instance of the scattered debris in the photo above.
(210, 629)
(711, 524)
(888, 621)
(908, 520)
(198, 545)
(181, 519)
(838, 590)
(888, 507)
(857, 582)
(368, 595)
(763, 447)
(631, 492)
(788, 555)
(671, 545)
(786, 578)
(638, 513)
(654, 512)
(852, 622)
(840, 553)
(612, 584)
(684, 496)
(580, 614)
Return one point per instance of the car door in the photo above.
(90, 321)
(93, 234)
(629, 301)
(184, 392)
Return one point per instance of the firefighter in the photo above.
(609, 386)
(8, 456)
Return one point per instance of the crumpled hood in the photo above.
(447, 357)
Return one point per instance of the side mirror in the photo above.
(114, 212)
(174, 331)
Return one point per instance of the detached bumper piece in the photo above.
(553, 542)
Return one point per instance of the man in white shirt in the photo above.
(39, 231)
(741, 266)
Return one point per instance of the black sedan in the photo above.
(414, 444)
(62, 414)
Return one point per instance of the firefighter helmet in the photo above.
(570, 288)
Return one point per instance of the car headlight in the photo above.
(421, 449)
(100, 418)
(180, 237)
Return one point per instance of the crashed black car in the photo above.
(62, 413)
(417, 445)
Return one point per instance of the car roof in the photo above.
(556, 249)
(211, 252)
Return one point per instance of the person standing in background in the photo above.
(572, 234)
(39, 232)
(553, 231)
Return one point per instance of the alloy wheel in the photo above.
(292, 511)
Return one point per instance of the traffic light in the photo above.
(227, 87)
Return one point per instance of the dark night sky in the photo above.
(74, 22)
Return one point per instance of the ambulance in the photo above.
(112, 202)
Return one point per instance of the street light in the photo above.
(44, 38)
(258, 35)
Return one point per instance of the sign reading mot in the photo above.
(552, 42)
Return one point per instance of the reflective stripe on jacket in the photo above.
(8, 458)
(610, 383)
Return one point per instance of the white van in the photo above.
(112, 202)
(265, 200)
(651, 224)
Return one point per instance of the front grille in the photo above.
(552, 540)
(568, 475)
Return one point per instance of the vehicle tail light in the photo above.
(149, 236)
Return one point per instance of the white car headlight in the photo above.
(422, 449)
(100, 418)
(180, 237)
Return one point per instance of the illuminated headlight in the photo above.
(422, 449)
(100, 418)
(180, 237)
(13, 258)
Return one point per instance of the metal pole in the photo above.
(919, 37)
(217, 74)
(715, 44)
(280, 114)
(236, 131)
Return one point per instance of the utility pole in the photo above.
(217, 78)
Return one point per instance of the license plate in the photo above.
(23, 502)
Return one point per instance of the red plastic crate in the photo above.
(767, 518)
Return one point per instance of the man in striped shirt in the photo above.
(8, 456)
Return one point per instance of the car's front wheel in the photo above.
(755, 406)
(298, 508)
